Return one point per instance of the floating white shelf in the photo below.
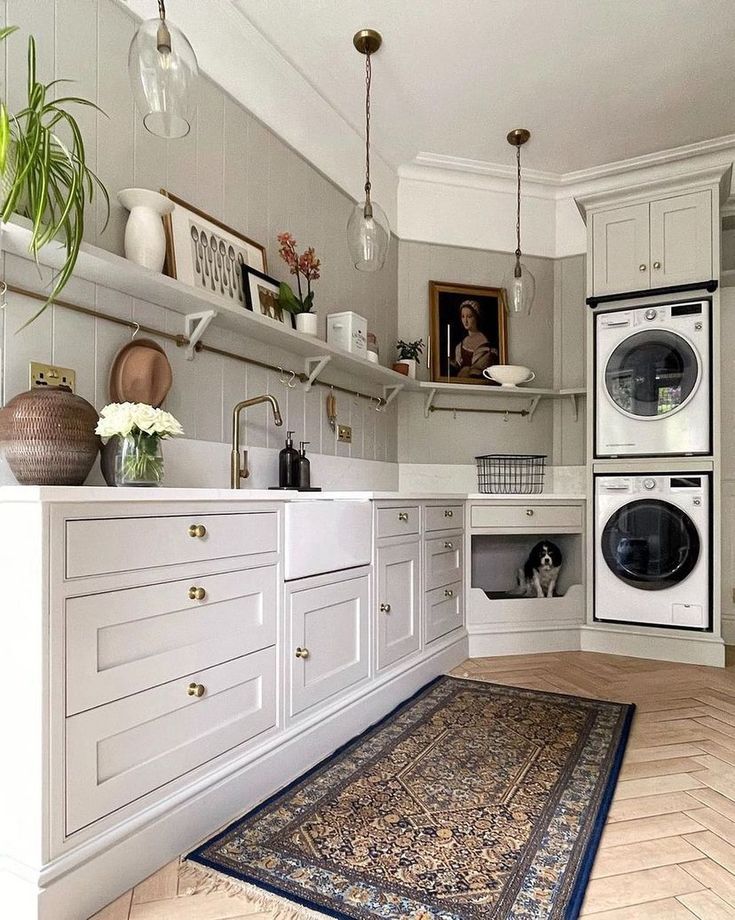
(533, 394)
(200, 308)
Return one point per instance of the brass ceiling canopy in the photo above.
(367, 41)
(518, 137)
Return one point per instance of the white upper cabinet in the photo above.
(656, 235)
(681, 239)
(620, 249)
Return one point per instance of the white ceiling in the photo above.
(595, 81)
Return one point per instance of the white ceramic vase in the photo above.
(145, 237)
(306, 323)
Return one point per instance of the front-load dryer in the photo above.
(653, 381)
(652, 550)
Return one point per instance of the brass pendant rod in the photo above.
(181, 341)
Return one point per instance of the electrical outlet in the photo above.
(344, 434)
(48, 375)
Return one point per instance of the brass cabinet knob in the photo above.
(642, 267)
(197, 530)
(657, 265)
(448, 592)
(448, 545)
(197, 594)
(302, 652)
(529, 512)
(448, 513)
(385, 608)
(403, 515)
(196, 690)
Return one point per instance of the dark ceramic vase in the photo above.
(47, 436)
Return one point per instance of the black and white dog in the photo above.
(539, 574)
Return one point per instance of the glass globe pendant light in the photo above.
(520, 284)
(163, 73)
(368, 230)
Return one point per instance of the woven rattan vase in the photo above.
(47, 436)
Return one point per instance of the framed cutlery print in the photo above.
(207, 254)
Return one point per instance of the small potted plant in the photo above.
(137, 430)
(304, 266)
(409, 355)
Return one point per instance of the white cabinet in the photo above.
(398, 602)
(328, 636)
(652, 244)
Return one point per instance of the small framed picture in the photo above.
(207, 254)
(468, 331)
(261, 296)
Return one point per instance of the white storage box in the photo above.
(348, 331)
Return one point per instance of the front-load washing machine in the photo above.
(652, 549)
(653, 381)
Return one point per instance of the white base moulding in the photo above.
(486, 643)
(77, 885)
(681, 647)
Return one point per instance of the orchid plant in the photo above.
(304, 266)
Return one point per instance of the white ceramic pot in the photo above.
(145, 238)
(410, 364)
(306, 323)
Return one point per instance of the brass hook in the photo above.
(3, 292)
(291, 384)
(135, 331)
(506, 417)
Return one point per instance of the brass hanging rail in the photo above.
(182, 341)
(522, 412)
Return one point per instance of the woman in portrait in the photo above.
(474, 353)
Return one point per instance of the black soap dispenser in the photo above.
(304, 467)
(288, 460)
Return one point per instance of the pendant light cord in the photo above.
(368, 82)
(517, 271)
(161, 9)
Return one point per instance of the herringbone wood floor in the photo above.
(668, 851)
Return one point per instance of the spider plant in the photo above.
(42, 177)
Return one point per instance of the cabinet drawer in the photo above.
(444, 610)
(395, 522)
(329, 631)
(444, 517)
(531, 517)
(443, 560)
(119, 752)
(108, 545)
(122, 642)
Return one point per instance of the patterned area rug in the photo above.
(470, 801)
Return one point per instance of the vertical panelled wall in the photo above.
(550, 342)
(230, 166)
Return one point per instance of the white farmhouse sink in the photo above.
(327, 536)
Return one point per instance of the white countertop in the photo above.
(104, 494)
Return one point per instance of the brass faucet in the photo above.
(240, 471)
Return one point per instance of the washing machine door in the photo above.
(652, 374)
(650, 544)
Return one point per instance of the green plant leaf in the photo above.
(287, 299)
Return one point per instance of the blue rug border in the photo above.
(580, 885)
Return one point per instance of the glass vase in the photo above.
(139, 460)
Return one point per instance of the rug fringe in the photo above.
(197, 879)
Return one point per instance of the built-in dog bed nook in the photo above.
(500, 616)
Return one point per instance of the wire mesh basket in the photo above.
(506, 474)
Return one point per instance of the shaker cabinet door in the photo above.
(398, 602)
(681, 239)
(620, 250)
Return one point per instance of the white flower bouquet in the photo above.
(139, 429)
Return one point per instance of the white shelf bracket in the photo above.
(533, 406)
(390, 393)
(575, 407)
(314, 367)
(429, 402)
(195, 325)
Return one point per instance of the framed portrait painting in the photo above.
(261, 296)
(468, 331)
(207, 254)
